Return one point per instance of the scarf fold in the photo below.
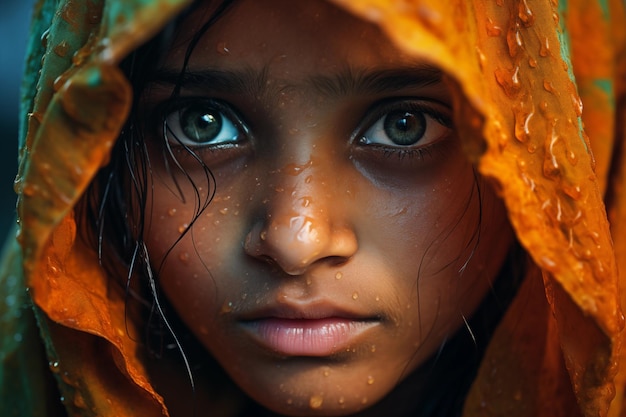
(539, 98)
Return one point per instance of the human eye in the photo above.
(406, 125)
(199, 122)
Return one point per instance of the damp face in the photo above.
(348, 236)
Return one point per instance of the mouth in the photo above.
(314, 333)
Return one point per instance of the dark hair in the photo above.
(113, 209)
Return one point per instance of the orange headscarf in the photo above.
(539, 97)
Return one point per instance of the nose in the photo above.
(304, 222)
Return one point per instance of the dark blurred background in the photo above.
(14, 24)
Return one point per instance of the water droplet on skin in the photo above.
(222, 48)
(338, 275)
(182, 228)
(295, 169)
(370, 380)
(492, 29)
(316, 402)
(184, 257)
(224, 210)
(308, 179)
(263, 235)
(289, 401)
(326, 372)
(227, 307)
(377, 298)
(355, 295)
(364, 400)
(373, 348)
(341, 400)
(532, 62)
(305, 201)
(171, 212)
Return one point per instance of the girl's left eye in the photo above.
(407, 126)
(203, 123)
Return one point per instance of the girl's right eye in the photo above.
(199, 123)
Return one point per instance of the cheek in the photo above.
(191, 251)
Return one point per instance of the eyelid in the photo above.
(436, 109)
(179, 104)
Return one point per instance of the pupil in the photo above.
(405, 128)
(200, 125)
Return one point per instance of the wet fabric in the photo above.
(539, 89)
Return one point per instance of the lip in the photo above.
(315, 332)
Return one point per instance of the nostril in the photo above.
(337, 260)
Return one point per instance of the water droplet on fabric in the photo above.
(62, 49)
(54, 366)
(549, 87)
(79, 401)
(508, 80)
(525, 14)
(493, 30)
(482, 58)
(514, 40)
(544, 49)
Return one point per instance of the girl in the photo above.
(301, 211)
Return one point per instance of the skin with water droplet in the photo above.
(316, 401)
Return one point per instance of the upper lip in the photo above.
(305, 311)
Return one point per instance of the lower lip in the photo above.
(300, 337)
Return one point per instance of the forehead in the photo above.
(289, 39)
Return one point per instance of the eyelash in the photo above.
(434, 110)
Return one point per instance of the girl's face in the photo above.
(348, 236)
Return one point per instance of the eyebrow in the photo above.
(349, 81)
